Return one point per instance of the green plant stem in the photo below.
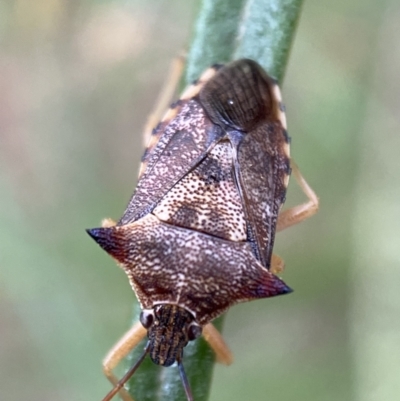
(215, 35)
(262, 30)
(267, 33)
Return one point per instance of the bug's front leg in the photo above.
(218, 344)
(277, 264)
(299, 213)
(120, 351)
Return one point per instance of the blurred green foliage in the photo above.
(77, 80)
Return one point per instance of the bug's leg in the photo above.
(277, 264)
(218, 344)
(301, 212)
(119, 351)
(107, 222)
(165, 97)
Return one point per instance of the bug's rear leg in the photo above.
(165, 96)
(120, 351)
(301, 212)
(218, 344)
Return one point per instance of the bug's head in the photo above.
(169, 328)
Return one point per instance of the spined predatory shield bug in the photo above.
(198, 233)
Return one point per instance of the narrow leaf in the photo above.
(215, 35)
(266, 33)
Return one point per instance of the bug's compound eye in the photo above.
(147, 318)
(194, 331)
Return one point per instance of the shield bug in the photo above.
(198, 233)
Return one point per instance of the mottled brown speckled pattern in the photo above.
(262, 168)
(207, 199)
(199, 230)
(171, 265)
(184, 142)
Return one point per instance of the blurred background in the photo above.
(77, 80)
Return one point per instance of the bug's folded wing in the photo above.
(182, 143)
(263, 167)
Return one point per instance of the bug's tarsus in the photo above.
(127, 375)
(185, 381)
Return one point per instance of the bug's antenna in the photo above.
(127, 375)
(185, 382)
